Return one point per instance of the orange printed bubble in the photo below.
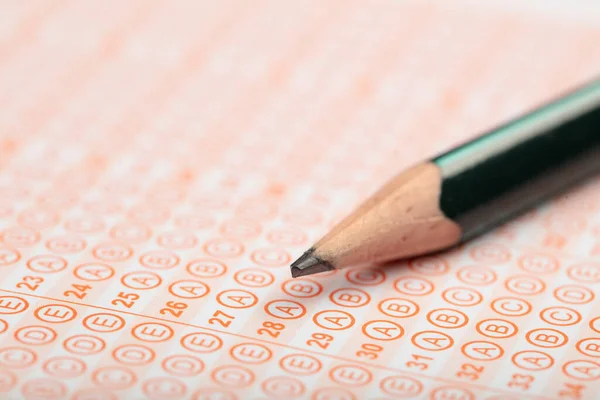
(564, 223)
(182, 365)
(130, 232)
(350, 297)
(64, 367)
(141, 280)
(66, 244)
(482, 350)
(476, 275)
(334, 320)
(201, 342)
(582, 370)
(451, 392)
(511, 306)
(525, 285)
(283, 387)
(233, 376)
(133, 354)
(17, 357)
(490, 253)
(152, 332)
(398, 308)
(38, 218)
(382, 330)
(432, 340)
(116, 378)
(241, 228)
(497, 328)
(177, 240)
(589, 347)
(560, 316)
(573, 294)
(413, 286)
(302, 288)
(194, 222)
(163, 388)
(271, 257)
(150, 214)
(206, 268)
(19, 237)
(94, 394)
(300, 364)
(112, 252)
(401, 386)
(250, 353)
(447, 318)
(104, 322)
(35, 335)
(55, 313)
(285, 309)
(213, 394)
(43, 264)
(44, 388)
(254, 277)
(585, 272)
(546, 338)
(3, 326)
(12, 304)
(287, 236)
(84, 345)
(189, 289)
(350, 375)
(538, 263)
(159, 259)
(366, 276)
(8, 256)
(431, 266)
(85, 224)
(532, 360)
(224, 248)
(94, 272)
(332, 393)
(462, 296)
(237, 299)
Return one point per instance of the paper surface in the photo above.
(162, 163)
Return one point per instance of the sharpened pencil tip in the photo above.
(308, 264)
(296, 272)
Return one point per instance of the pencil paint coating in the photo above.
(518, 165)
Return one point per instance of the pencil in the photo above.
(470, 189)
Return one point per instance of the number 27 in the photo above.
(224, 323)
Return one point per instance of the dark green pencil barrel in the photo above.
(518, 165)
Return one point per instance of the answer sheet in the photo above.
(163, 162)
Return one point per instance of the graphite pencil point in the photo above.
(308, 264)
